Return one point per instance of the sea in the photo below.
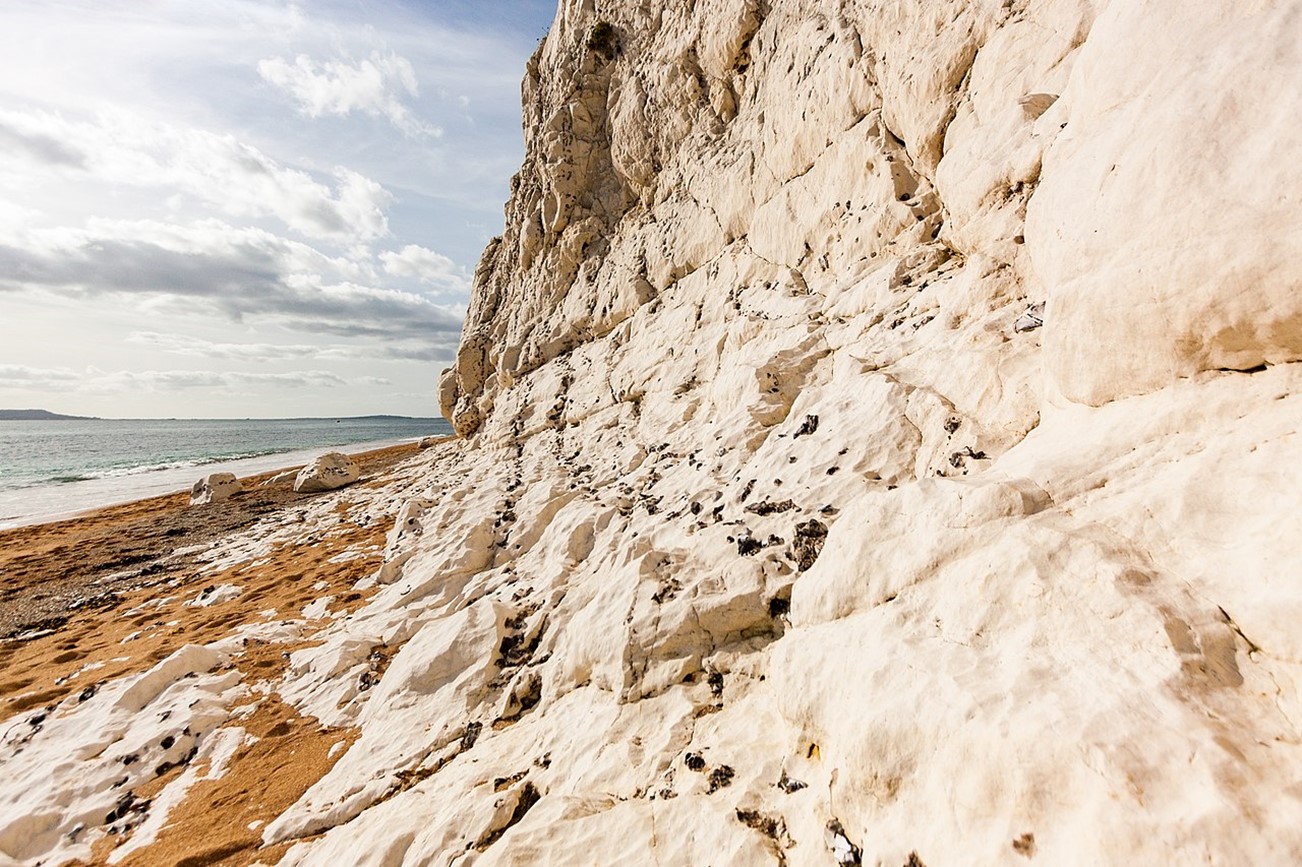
(54, 469)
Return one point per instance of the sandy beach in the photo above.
(111, 593)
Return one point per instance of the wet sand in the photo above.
(113, 592)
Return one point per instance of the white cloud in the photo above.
(18, 136)
(179, 380)
(121, 149)
(24, 378)
(193, 347)
(267, 353)
(425, 265)
(377, 86)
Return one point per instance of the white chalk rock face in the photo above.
(1163, 268)
(326, 473)
(214, 488)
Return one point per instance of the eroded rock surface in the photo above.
(1014, 593)
(894, 398)
(326, 473)
(214, 488)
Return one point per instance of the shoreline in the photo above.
(143, 541)
(110, 492)
(89, 601)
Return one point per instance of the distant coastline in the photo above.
(46, 415)
(40, 415)
(56, 467)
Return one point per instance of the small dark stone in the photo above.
(88, 692)
(471, 735)
(694, 762)
(167, 742)
(808, 544)
(715, 680)
(807, 427)
(769, 507)
(747, 545)
(958, 458)
(766, 825)
(501, 783)
(720, 777)
(789, 785)
(779, 607)
(845, 851)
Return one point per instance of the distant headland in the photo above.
(46, 415)
(40, 415)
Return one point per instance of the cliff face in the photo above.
(1111, 161)
(803, 537)
(880, 444)
(807, 539)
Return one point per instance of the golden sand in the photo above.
(90, 599)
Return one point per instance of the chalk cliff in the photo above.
(782, 527)
(766, 274)
(880, 444)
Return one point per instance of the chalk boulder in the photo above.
(326, 473)
(282, 477)
(214, 488)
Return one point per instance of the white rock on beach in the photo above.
(214, 488)
(282, 477)
(326, 473)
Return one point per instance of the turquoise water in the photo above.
(50, 468)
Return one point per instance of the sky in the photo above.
(249, 208)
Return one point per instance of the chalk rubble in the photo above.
(326, 473)
(214, 488)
